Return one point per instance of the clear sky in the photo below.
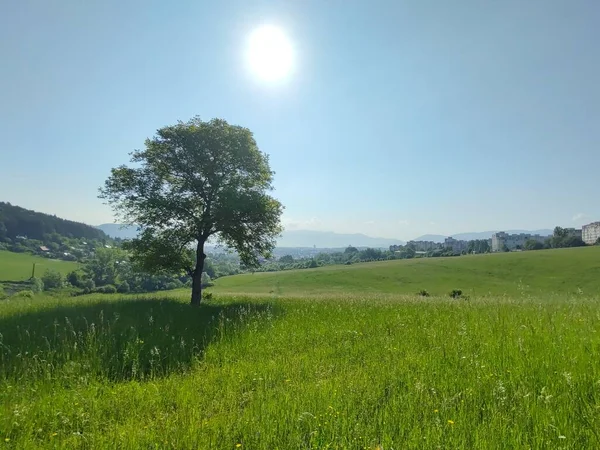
(400, 118)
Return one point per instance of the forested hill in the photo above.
(16, 221)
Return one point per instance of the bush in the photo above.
(205, 279)
(52, 279)
(207, 296)
(108, 289)
(2, 294)
(24, 294)
(74, 279)
(37, 285)
(88, 286)
(423, 293)
(175, 285)
(456, 293)
(123, 288)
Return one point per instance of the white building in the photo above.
(513, 241)
(423, 246)
(590, 233)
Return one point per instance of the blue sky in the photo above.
(400, 118)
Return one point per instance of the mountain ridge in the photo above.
(330, 239)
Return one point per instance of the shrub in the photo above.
(88, 286)
(176, 284)
(74, 279)
(207, 296)
(24, 294)
(2, 294)
(52, 279)
(108, 289)
(205, 279)
(455, 293)
(123, 288)
(423, 293)
(37, 285)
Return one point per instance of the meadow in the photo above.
(18, 266)
(355, 367)
(560, 271)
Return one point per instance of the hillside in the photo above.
(16, 221)
(17, 266)
(562, 271)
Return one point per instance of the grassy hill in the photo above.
(17, 266)
(316, 359)
(561, 271)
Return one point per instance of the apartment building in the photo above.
(456, 245)
(423, 246)
(513, 241)
(590, 233)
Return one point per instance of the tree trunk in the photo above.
(197, 275)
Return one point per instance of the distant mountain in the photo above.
(479, 235)
(292, 238)
(116, 230)
(329, 239)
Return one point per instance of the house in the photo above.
(44, 249)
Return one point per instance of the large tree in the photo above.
(194, 181)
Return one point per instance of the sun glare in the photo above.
(269, 53)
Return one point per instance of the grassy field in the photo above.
(17, 266)
(562, 271)
(333, 370)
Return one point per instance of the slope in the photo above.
(562, 271)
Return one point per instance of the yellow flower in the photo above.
(435, 410)
(6, 439)
(451, 422)
(238, 445)
(54, 434)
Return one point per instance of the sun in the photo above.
(269, 54)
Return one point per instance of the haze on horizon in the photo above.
(433, 119)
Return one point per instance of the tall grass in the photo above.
(282, 373)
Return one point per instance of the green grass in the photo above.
(18, 266)
(563, 271)
(353, 363)
(121, 372)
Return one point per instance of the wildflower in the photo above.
(54, 434)
(238, 445)
(451, 422)
(562, 437)
(435, 410)
(6, 439)
(287, 380)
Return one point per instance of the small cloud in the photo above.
(431, 223)
(403, 222)
(579, 217)
(370, 222)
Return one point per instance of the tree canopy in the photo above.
(195, 181)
